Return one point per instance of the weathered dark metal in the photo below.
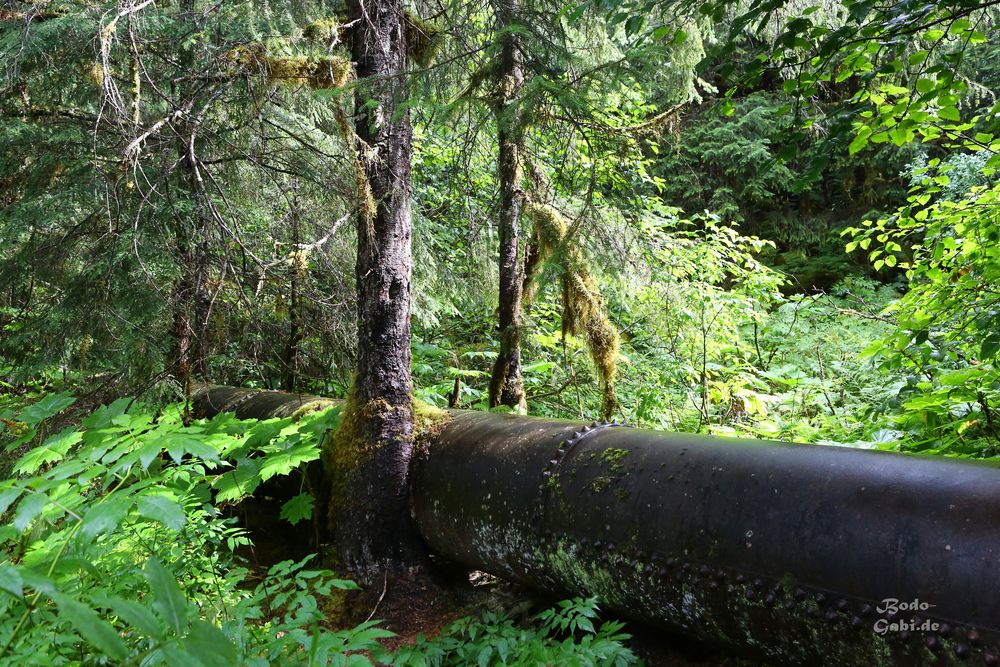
(783, 552)
(786, 552)
(210, 400)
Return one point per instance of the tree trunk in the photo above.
(180, 331)
(369, 506)
(290, 358)
(506, 384)
(202, 298)
(191, 300)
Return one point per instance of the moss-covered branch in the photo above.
(584, 313)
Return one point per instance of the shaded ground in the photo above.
(425, 605)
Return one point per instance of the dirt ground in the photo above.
(424, 605)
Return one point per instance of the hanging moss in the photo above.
(136, 90)
(423, 39)
(37, 15)
(583, 314)
(94, 73)
(315, 71)
(366, 200)
(324, 31)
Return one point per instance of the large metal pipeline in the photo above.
(793, 554)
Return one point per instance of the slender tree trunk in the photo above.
(191, 301)
(190, 298)
(180, 330)
(202, 299)
(290, 358)
(506, 384)
(370, 511)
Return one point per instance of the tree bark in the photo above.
(290, 358)
(202, 298)
(180, 333)
(191, 300)
(506, 383)
(370, 511)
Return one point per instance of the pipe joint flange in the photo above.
(565, 447)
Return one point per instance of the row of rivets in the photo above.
(563, 450)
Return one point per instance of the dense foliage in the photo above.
(123, 547)
(761, 219)
(243, 274)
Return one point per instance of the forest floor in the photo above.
(426, 605)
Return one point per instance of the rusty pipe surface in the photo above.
(792, 554)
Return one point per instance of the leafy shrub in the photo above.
(116, 550)
(946, 334)
(565, 635)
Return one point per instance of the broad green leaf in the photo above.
(238, 483)
(298, 508)
(50, 451)
(990, 346)
(162, 509)
(135, 614)
(104, 517)
(210, 644)
(72, 565)
(949, 113)
(860, 141)
(287, 460)
(168, 600)
(962, 376)
(38, 581)
(104, 415)
(321, 421)
(177, 445)
(96, 631)
(11, 581)
(28, 509)
(147, 453)
(68, 468)
(264, 432)
(7, 498)
(51, 405)
(175, 656)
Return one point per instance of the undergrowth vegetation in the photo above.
(119, 545)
